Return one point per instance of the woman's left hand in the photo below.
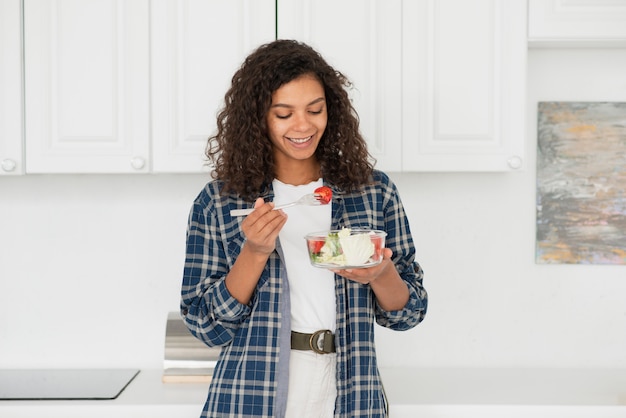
(369, 274)
(391, 292)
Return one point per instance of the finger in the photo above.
(260, 209)
(267, 225)
(275, 220)
(259, 202)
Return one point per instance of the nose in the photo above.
(301, 122)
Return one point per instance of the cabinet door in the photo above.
(362, 39)
(10, 88)
(581, 22)
(86, 86)
(197, 45)
(463, 82)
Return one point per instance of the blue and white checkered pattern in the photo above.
(245, 380)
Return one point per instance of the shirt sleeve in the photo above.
(413, 312)
(400, 241)
(210, 312)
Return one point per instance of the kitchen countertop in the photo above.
(145, 396)
(424, 393)
(64, 384)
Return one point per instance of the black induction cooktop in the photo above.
(64, 384)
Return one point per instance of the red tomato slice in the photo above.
(324, 194)
(378, 243)
(315, 246)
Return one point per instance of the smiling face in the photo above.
(296, 122)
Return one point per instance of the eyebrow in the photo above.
(318, 100)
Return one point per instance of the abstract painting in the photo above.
(581, 183)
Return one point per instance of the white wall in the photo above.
(90, 265)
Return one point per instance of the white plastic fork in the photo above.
(311, 199)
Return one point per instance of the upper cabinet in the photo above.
(131, 86)
(87, 85)
(196, 46)
(363, 40)
(11, 161)
(439, 85)
(577, 23)
(463, 85)
(134, 86)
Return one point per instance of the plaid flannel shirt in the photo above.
(246, 376)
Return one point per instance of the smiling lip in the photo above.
(299, 141)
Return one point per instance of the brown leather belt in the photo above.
(322, 341)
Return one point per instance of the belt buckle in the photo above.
(314, 340)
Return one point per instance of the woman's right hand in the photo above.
(260, 229)
(262, 226)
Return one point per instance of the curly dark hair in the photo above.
(241, 150)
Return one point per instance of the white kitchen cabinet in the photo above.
(11, 161)
(576, 23)
(196, 46)
(115, 86)
(463, 85)
(362, 39)
(86, 86)
(439, 84)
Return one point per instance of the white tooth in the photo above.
(300, 140)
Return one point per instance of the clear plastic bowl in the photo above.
(336, 250)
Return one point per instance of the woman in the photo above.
(298, 341)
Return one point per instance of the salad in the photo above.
(346, 248)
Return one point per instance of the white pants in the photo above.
(312, 385)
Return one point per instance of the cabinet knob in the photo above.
(514, 162)
(138, 163)
(8, 165)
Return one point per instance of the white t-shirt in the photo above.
(313, 305)
(312, 381)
